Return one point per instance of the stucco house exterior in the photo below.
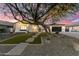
(20, 27)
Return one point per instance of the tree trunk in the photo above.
(49, 29)
(45, 28)
(39, 29)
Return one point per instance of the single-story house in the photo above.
(20, 27)
(74, 27)
(5, 27)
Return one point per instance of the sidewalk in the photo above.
(18, 49)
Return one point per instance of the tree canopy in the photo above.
(38, 13)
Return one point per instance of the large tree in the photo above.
(38, 13)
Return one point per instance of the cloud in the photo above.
(76, 20)
(8, 18)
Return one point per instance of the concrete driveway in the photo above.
(72, 34)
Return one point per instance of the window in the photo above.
(23, 28)
(56, 29)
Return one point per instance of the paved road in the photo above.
(72, 34)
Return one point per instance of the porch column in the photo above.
(63, 28)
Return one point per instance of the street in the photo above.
(72, 34)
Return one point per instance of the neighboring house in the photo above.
(6, 27)
(74, 27)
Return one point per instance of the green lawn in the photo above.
(17, 39)
(23, 37)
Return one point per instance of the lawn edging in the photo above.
(8, 38)
(7, 44)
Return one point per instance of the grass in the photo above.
(17, 39)
(23, 37)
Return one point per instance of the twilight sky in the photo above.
(70, 19)
(66, 20)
